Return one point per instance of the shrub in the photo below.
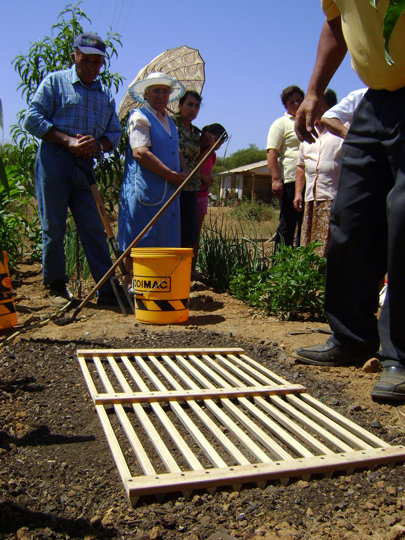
(253, 211)
(292, 288)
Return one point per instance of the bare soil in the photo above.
(57, 476)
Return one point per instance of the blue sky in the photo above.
(252, 50)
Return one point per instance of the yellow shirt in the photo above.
(283, 138)
(362, 28)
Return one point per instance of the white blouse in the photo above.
(321, 162)
(139, 126)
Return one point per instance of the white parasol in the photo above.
(182, 63)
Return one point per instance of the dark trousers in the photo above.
(188, 218)
(368, 230)
(289, 218)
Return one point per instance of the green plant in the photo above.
(18, 233)
(224, 250)
(293, 287)
(393, 12)
(71, 254)
(12, 221)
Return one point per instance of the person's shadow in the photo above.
(14, 517)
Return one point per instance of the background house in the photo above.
(249, 181)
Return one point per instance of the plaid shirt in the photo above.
(62, 101)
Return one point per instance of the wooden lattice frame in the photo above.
(249, 424)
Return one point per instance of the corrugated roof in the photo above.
(259, 167)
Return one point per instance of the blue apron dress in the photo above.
(143, 192)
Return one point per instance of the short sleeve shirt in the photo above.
(283, 138)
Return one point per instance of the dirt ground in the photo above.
(58, 479)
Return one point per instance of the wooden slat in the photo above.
(193, 430)
(166, 423)
(165, 456)
(346, 438)
(281, 418)
(339, 419)
(269, 471)
(249, 445)
(210, 425)
(242, 418)
(115, 448)
(198, 394)
(85, 353)
(255, 411)
(313, 425)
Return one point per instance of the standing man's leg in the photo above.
(357, 256)
(391, 325)
(53, 186)
(288, 217)
(90, 228)
(188, 218)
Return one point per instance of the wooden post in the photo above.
(253, 187)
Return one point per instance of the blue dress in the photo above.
(143, 193)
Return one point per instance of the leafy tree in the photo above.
(52, 54)
(239, 158)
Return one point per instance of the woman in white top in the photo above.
(318, 169)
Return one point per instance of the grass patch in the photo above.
(225, 249)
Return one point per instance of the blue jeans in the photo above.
(62, 184)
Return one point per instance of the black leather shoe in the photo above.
(330, 354)
(391, 384)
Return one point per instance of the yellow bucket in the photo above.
(161, 282)
(8, 314)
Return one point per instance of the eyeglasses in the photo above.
(159, 92)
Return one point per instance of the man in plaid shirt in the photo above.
(73, 114)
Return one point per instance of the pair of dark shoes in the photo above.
(390, 385)
(110, 299)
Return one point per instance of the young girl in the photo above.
(209, 136)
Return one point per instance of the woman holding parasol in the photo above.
(152, 166)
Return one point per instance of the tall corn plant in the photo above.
(224, 250)
(18, 233)
(72, 258)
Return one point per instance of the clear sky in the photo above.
(252, 50)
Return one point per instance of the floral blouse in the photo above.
(190, 148)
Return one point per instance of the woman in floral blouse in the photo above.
(189, 138)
